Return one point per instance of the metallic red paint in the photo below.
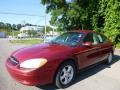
(55, 54)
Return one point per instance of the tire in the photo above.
(65, 75)
(109, 59)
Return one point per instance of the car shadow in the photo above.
(84, 74)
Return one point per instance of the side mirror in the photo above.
(87, 44)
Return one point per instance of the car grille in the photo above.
(13, 60)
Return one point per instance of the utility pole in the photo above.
(45, 28)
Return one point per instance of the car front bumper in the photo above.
(27, 77)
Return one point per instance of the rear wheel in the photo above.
(65, 75)
(110, 58)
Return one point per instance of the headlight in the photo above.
(33, 63)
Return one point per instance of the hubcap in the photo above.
(66, 74)
(110, 58)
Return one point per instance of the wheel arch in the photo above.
(66, 60)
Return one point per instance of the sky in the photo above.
(31, 7)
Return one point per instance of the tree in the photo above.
(8, 25)
(28, 24)
(19, 26)
(32, 33)
(110, 9)
(1, 25)
(73, 14)
(7, 28)
(14, 27)
(100, 15)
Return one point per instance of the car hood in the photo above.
(45, 50)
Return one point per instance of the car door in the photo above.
(89, 55)
(106, 47)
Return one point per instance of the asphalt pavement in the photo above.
(100, 77)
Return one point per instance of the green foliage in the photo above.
(14, 33)
(72, 15)
(19, 26)
(9, 28)
(100, 15)
(26, 41)
(48, 29)
(5, 27)
(111, 11)
(32, 33)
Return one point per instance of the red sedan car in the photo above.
(59, 60)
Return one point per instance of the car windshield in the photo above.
(69, 38)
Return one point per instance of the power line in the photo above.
(23, 14)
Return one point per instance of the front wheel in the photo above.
(65, 75)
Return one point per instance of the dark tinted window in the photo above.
(88, 38)
(96, 39)
(92, 37)
(102, 38)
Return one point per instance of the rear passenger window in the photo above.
(93, 38)
(96, 39)
(102, 38)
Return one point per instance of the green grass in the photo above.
(36, 41)
(26, 41)
(15, 33)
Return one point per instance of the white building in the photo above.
(30, 28)
(24, 30)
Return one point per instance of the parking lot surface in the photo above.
(100, 77)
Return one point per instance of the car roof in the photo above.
(82, 31)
